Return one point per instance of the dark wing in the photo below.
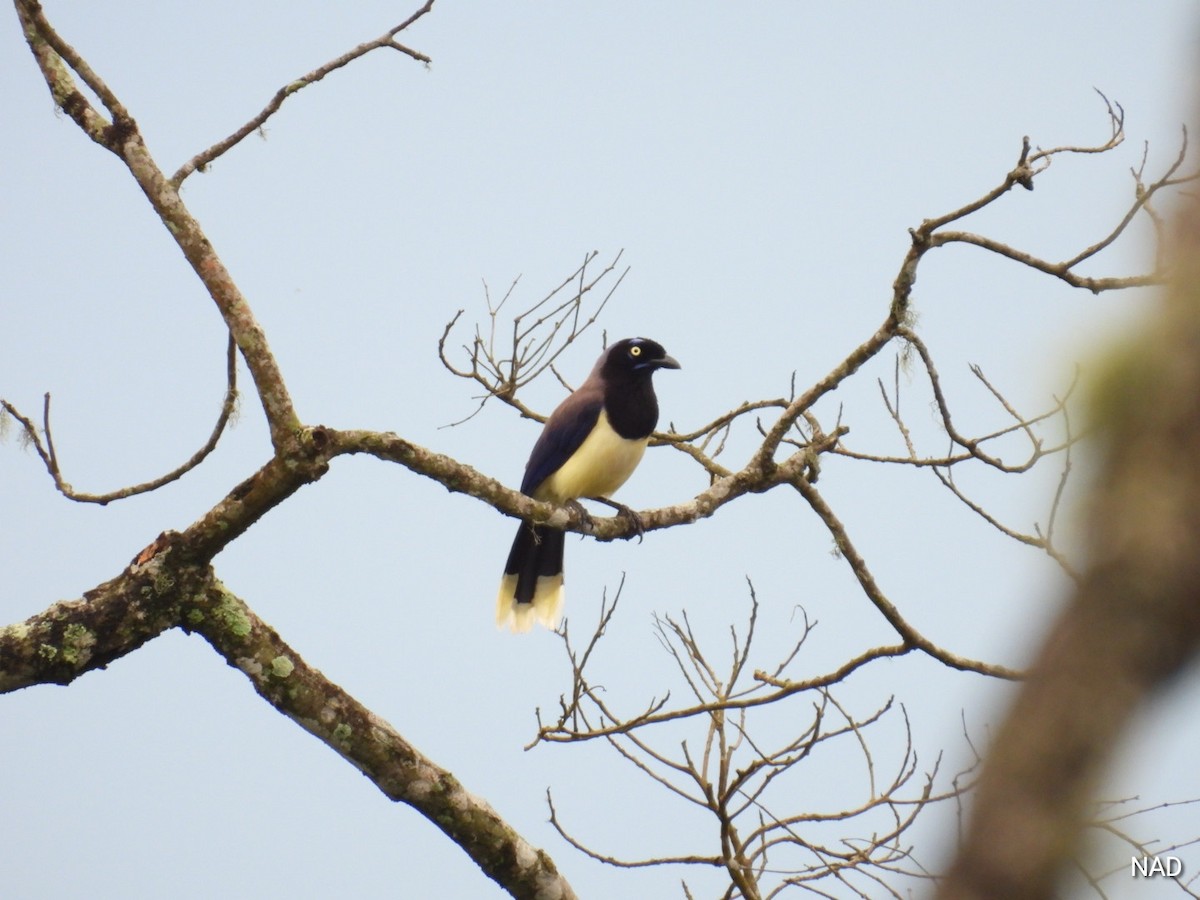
(564, 432)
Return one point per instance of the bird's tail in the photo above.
(532, 586)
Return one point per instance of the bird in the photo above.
(588, 448)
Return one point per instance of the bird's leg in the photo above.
(634, 519)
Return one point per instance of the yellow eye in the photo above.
(635, 350)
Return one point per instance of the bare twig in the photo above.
(50, 457)
(202, 160)
(730, 774)
(539, 335)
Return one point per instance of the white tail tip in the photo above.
(546, 608)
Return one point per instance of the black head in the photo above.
(624, 372)
(635, 356)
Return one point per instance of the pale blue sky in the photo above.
(759, 164)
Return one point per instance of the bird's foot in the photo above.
(631, 515)
(584, 515)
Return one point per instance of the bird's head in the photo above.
(637, 356)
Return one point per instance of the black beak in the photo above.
(667, 362)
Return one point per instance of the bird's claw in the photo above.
(584, 515)
(632, 516)
(635, 519)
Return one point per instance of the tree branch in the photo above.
(371, 745)
(201, 160)
(167, 587)
(50, 457)
(57, 60)
(1133, 624)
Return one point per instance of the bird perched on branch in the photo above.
(588, 447)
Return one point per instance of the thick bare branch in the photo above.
(371, 745)
(166, 587)
(727, 770)
(57, 61)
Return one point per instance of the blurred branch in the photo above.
(535, 345)
(1134, 622)
(1142, 610)
(540, 334)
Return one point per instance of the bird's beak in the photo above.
(667, 362)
